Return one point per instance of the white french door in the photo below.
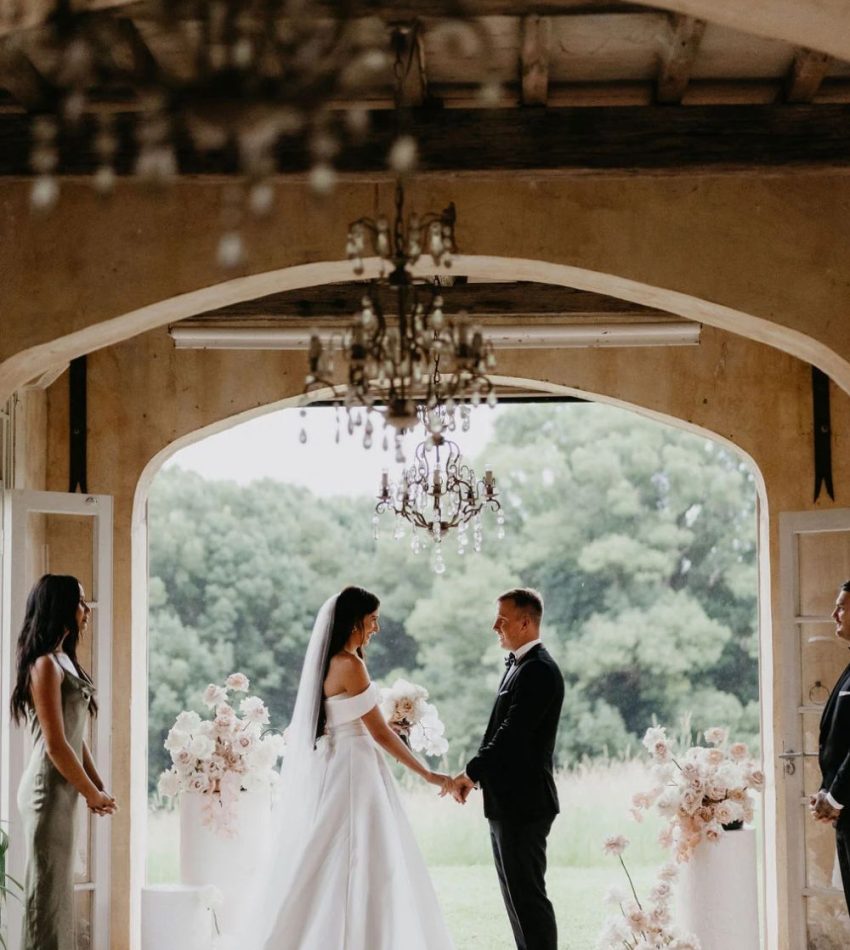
(814, 562)
(57, 533)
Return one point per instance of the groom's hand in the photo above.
(463, 785)
(821, 809)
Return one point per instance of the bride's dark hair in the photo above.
(352, 605)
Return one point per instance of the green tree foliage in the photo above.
(640, 536)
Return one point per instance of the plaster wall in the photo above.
(760, 255)
(144, 395)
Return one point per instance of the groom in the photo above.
(514, 768)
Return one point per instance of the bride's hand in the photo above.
(446, 782)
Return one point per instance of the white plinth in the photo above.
(175, 918)
(228, 863)
(718, 893)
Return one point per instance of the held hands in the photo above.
(458, 787)
(101, 803)
(821, 810)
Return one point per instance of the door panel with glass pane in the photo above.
(815, 561)
(50, 532)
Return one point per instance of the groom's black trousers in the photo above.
(520, 853)
(842, 844)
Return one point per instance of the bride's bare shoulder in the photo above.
(347, 669)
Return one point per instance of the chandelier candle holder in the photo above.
(419, 356)
(433, 500)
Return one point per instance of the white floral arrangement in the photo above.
(221, 757)
(642, 925)
(699, 791)
(405, 708)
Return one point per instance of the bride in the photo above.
(345, 871)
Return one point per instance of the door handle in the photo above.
(790, 764)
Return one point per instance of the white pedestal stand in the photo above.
(718, 893)
(229, 864)
(174, 917)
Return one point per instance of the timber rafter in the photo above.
(568, 140)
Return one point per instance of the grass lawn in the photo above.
(476, 917)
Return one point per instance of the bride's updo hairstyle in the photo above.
(352, 605)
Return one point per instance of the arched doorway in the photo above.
(140, 564)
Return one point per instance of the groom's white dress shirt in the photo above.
(520, 652)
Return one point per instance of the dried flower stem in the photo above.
(631, 882)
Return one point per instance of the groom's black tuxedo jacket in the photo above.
(514, 765)
(834, 741)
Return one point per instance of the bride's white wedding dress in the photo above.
(361, 881)
(345, 871)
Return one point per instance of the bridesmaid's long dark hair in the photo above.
(51, 611)
(352, 605)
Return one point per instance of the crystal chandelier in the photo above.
(435, 499)
(229, 81)
(420, 355)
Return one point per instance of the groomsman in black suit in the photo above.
(828, 805)
(514, 768)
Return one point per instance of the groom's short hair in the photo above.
(526, 599)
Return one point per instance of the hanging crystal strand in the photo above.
(462, 539)
(337, 434)
(368, 429)
(477, 535)
(105, 145)
(375, 522)
(302, 436)
(231, 250)
(399, 450)
(44, 159)
(438, 565)
(500, 526)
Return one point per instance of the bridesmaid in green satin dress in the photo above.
(55, 695)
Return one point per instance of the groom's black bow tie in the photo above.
(510, 659)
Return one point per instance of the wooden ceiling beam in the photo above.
(28, 14)
(534, 59)
(808, 71)
(511, 299)
(620, 139)
(20, 77)
(820, 25)
(677, 60)
(414, 86)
